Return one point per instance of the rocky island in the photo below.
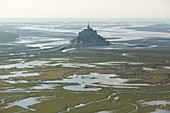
(87, 38)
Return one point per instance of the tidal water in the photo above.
(49, 34)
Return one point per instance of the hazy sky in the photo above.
(85, 8)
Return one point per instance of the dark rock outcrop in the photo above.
(87, 38)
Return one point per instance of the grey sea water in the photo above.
(40, 34)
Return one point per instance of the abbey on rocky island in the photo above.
(89, 37)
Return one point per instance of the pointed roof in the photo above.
(88, 26)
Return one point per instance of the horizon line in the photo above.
(82, 19)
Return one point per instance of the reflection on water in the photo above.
(23, 64)
(161, 111)
(105, 112)
(33, 64)
(152, 103)
(18, 74)
(149, 69)
(80, 88)
(16, 81)
(118, 63)
(43, 86)
(95, 82)
(24, 103)
(166, 67)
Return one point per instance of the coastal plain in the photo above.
(142, 76)
(130, 75)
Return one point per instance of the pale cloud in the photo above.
(86, 8)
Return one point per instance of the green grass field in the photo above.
(110, 99)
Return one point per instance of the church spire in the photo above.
(88, 26)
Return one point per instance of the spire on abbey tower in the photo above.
(88, 26)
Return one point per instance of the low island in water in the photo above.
(88, 38)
